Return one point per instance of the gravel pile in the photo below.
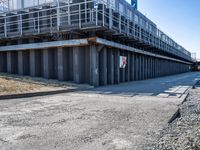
(184, 132)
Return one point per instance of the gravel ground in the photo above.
(121, 117)
(184, 132)
(78, 121)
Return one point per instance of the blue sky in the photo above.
(180, 19)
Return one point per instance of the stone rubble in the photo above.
(184, 132)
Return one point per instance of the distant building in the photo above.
(134, 4)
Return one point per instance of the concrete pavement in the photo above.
(124, 116)
(170, 86)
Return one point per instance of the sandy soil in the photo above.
(13, 84)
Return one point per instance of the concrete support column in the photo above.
(136, 72)
(116, 67)
(103, 67)
(145, 67)
(3, 60)
(70, 72)
(12, 62)
(128, 66)
(132, 68)
(110, 62)
(139, 67)
(122, 70)
(155, 71)
(23, 61)
(156, 68)
(61, 64)
(94, 66)
(161, 67)
(32, 63)
(46, 65)
(49, 63)
(8, 58)
(150, 67)
(78, 64)
(159, 63)
(142, 67)
(20, 63)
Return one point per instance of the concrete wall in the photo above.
(87, 64)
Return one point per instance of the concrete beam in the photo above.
(128, 48)
(83, 42)
(45, 45)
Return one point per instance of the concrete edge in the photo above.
(177, 112)
(174, 116)
(36, 94)
(184, 98)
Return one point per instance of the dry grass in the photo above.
(8, 86)
(14, 84)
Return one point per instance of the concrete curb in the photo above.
(35, 94)
(177, 113)
(184, 97)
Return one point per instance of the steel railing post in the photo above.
(103, 16)
(5, 28)
(69, 15)
(79, 11)
(38, 22)
(58, 15)
(21, 25)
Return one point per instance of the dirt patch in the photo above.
(14, 84)
(11, 86)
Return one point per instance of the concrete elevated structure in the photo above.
(82, 41)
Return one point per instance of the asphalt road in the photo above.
(118, 117)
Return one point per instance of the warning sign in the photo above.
(123, 61)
